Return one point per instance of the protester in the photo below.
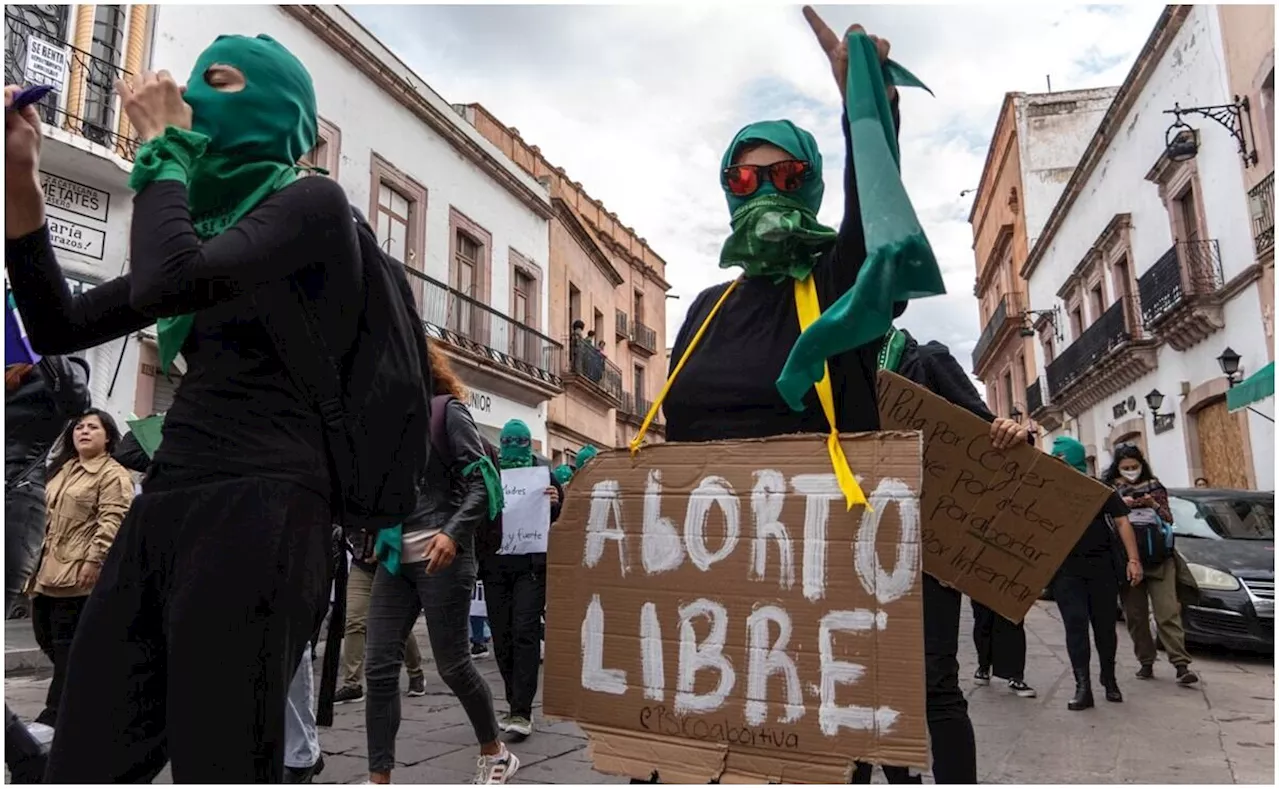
(515, 595)
(1150, 516)
(359, 586)
(1002, 650)
(199, 620)
(39, 399)
(1088, 582)
(565, 471)
(428, 566)
(1201, 482)
(302, 758)
(87, 498)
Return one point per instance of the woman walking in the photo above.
(1149, 512)
(86, 499)
(1086, 585)
(211, 593)
(428, 566)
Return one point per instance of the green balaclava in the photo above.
(584, 456)
(1071, 451)
(777, 235)
(242, 146)
(516, 450)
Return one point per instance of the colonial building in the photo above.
(1037, 142)
(607, 277)
(1148, 270)
(471, 227)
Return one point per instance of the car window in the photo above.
(1224, 518)
(1189, 521)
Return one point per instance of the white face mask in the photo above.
(1132, 476)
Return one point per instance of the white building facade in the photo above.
(471, 227)
(1145, 273)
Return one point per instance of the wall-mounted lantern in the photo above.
(1182, 142)
(1054, 317)
(1162, 423)
(1229, 361)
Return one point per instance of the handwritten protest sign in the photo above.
(526, 518)
(997, 524)
(715, 613)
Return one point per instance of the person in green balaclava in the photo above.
(515, 448)
(1071, 452)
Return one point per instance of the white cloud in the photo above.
(637, 103)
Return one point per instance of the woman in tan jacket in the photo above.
(87, 496)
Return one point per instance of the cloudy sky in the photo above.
(638, 102)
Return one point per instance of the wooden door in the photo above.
(1222, 457)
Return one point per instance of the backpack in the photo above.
(489, 535)
(1153, 535)
(375, 401)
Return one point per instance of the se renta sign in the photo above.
(714, 613)
(46, 64)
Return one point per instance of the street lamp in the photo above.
(1229, 361)
(1161, 422)
(1155, 399)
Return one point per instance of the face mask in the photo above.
(515, 448)
(1132, 476)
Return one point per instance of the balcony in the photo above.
(88, 106)
(1181, 303)
(643, 338)
(1262, 208)
(1045, 413)
(1109, 355)
(487, 335)
(593, 374)
(621, 326)
(1008, 315)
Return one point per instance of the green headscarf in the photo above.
(562, 474)
(777, 235)
(242, 146)
(516, 445)
(584, 456)
(1072, 451)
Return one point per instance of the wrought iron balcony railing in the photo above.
(465, 323)
(1189, 268)
(590, 364)
(1109, 332)
(1008, 311)
(1035, 397)
(1262, 207)
(643, 406)
(88, 105)
(628, 406)
(643, 337)
(621, 325)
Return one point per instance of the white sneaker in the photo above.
(496, 769)
(41, 733)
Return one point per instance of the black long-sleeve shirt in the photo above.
(728, 389)
(236, 411)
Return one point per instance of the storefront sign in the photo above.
(76, 238)
(75, 197)
(46, 64)
(481, 402)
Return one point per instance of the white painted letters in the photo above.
(651, 653)
(767, 499)
(819, 491)
(765, 660)
(604, 522)
(594, 675)
(888, 587)
(709, 655)
(660, 544)
(712, 490)
(831, 716)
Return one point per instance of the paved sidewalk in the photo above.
(1217, 733)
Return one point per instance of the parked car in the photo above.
(1227, 538)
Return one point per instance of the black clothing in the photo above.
(130, 454)
(515, 592)
(237, 407)
(449, 501)
(1086, 595)
(1001, 644)
(55, 391)
(1098, 539)
(54, 621)
(217, 582)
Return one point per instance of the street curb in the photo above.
(20, 662)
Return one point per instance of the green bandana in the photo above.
(774, 235)
(900, 264)
(1071, 451)
(242, 147)
(516, 450)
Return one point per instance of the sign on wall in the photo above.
(75, 237)
(75, 197)
(46, 63)
(715, 613)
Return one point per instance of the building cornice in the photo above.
(1166, 28)
(1005, 117)
(586, 239)
(383, 67)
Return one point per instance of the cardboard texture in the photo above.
(996, 524)
(693, 588)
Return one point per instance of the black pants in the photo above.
(515, 590)
(955, 759)
(1087, 593)
(189, 641)
(1001, 645)
(54, 620)
(23, 534)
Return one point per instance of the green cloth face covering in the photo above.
(900, 265)
(242, 146)
(512, 454)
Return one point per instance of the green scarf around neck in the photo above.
(900, 264)
(515, 445)
(242, 146)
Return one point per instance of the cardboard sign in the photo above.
(997, 524)
(526, 516)
(715, 613)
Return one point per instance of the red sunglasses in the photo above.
(745, 179)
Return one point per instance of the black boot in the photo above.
(24, 756)
(1083, 699)
(1109, 684)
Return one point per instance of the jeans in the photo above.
(479, 630)
(515, 593)
(1086, 592)
(397, 600)
(23, 535)
(359, 584)
(301, 740)
(54, 620)
(1001, 645)
(954, 751)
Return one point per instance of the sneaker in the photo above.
(417, 686)
(982, 676)
(479, 651)
(1021, 689)
(1145, 672)
(303, 775)
(504, 723)
(348, 694)
(497, 769)
(1186, 676)
(520, 726)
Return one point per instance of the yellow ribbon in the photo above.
(808, 310)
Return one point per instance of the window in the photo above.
(1046, 345)
(470, 263)
(326, 153)
(1188, 217)
(526, 291)
(1007, 405)
(398, 209)
(522, 292)
(1098, 301)
(1268, 102)
(107, 50)
(575, 304)
(1077, 323)
(637, 382)
(637, 313)
(393, 222)
(1121, 278)
(597, 323)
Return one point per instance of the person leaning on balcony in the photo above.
(1148, 502)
